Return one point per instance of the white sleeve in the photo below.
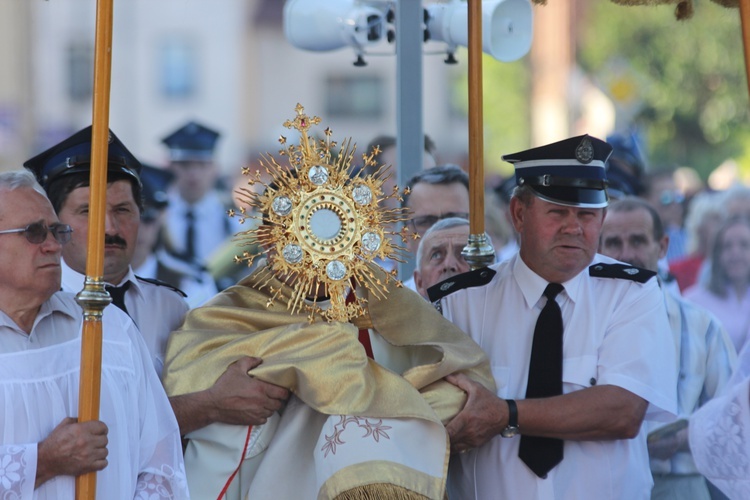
(161, 472)
(18, 471)
(721, 360)
(720, 441)
(638, 351)
(742, 369)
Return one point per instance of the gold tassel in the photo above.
(684, 10)
(643, 2)
(380, 491)
(731, 4)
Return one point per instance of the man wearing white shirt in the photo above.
(439, 255)
(197, 220)
(431, 195)
(633, 233)
(156, 308)
(135, 445)
(581, 353)
(150, 258)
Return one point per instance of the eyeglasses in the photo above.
(36, 232)
(422, 223)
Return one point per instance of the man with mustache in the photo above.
(581, 353)
(64, 171)
(155, 307)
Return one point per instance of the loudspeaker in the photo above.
(506, 26)
(322, 25)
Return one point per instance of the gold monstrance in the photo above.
(321, 224)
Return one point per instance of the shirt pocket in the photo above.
(501, 374)
(579, 373)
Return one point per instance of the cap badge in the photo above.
(631, 271)
(446, 286)
(585, 151)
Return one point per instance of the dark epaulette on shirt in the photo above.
(622, 271)
(477, 277)
(156, 282)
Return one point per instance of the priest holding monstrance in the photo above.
(363, 357)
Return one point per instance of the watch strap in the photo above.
(512, 413)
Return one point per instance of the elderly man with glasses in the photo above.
(136, 445)
(434, 194)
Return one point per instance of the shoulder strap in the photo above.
(158, 282)
(477, 277)
(165, 274)
(620, 271)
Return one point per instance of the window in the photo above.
(178, 69)
(354, 96)
(80, 71)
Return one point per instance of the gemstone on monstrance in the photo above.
(336, 270)
(318, 175)
(292, 253)
(281, 205)
(362, 195)
(371, 242)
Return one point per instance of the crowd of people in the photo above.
(604, 354)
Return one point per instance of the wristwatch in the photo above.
(512, 428)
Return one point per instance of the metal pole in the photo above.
(409, 121)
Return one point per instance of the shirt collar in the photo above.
(51, 306)
(532, 285)
(149, 267)
(73, 280)
(180, 206)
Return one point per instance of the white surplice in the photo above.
(720, 434)
(39, 379)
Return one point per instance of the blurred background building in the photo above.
(227, 63)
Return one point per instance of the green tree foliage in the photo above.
(505, 108)
(690, 77)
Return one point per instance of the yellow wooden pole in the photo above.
(745, 19)
(479, 252)
(93, 298)
(476, 117)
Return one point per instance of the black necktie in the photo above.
(118, 294)
(545, 380)
(190, 236)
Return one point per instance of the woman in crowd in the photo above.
(727, 291)
(705, 214)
